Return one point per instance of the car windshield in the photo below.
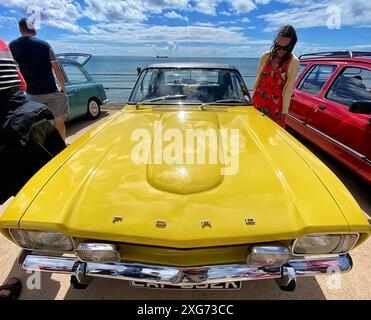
(190, 86)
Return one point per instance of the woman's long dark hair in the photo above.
(287, 31)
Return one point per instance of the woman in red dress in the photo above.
(276, 76)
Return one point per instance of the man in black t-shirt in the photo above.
(42, 72)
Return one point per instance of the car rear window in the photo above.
(316, 78)
(353, 84)
(74, 74)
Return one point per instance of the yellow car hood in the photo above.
(99, 193)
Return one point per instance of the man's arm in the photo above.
(59, 74)
(57, 69)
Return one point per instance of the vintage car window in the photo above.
(143, 82)
(352, 84)
(74, 74)
(301, 68)
(189, 85)
(316, 78)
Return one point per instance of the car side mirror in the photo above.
(139, 70)
(363, 107)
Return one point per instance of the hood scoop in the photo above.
(182, 167)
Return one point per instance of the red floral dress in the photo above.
(268, 93)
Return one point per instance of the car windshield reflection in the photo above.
(190, 86)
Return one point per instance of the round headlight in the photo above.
(325, 243)
(42, 240)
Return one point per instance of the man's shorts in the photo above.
(56, 102)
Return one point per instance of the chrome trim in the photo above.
(105, 101)
(91, 247)
(323, 234)
(345, 147)
(357, 154)
(180, 276)
(298, 120)
(62, 265)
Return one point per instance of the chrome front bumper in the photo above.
(177, 276)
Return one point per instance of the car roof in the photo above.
(337, 56)
(363, 60)
(187, 65)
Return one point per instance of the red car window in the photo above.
(352, 84)
(316, 78)
(301, 68)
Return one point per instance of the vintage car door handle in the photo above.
(71, 92)
(322, 106)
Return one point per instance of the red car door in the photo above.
(306, 95)
(340, 132)
(301, 102)
(365, 170)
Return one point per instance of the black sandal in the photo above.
(14, 288)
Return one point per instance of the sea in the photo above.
(119, 73)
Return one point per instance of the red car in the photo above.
(331, 106)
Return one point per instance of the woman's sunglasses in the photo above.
(278, 47)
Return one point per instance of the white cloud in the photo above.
(122, 26)
(144, 33)
(7, 21)
(204, 24)
(174, 15)
(108, 10)
(61, 14)
(310, 13)
(243, 6)
(238, 6)
(225, 13)
(206, 6)
(156, 6)
(262, 1)
(173, 50)
(362, 47)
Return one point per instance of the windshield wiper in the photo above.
(168, 97)
(224, 101)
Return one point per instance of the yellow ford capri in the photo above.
(188, 186)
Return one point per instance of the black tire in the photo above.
(76, 285)
(93, 109)
(290, 287)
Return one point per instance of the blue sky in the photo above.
(233, 28)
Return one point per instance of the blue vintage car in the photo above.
(85, 95)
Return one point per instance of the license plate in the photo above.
(233, 285)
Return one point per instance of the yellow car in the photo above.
(188, 186)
